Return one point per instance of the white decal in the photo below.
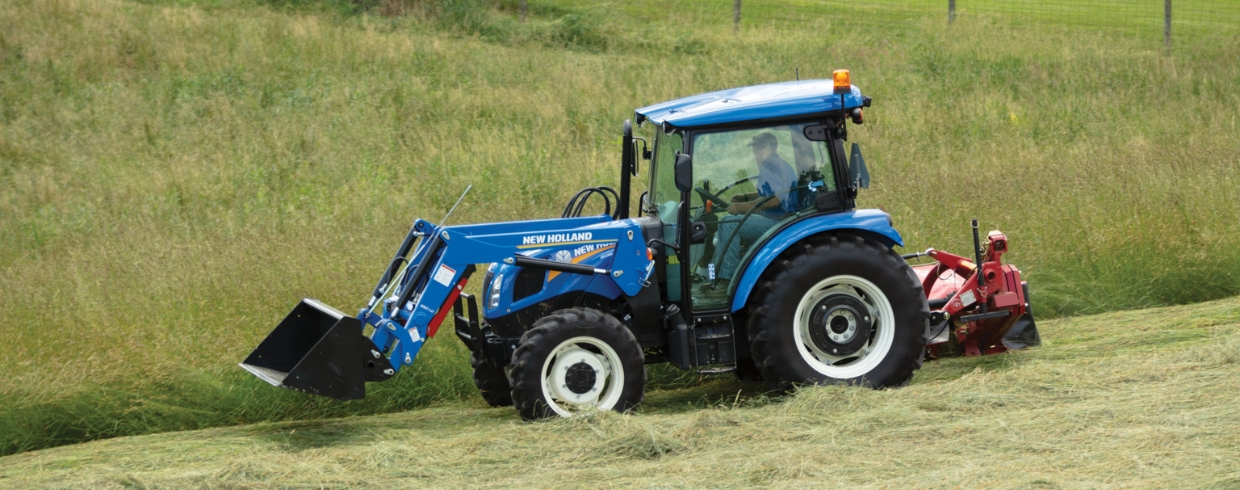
(967, 298)
(710, 271)
(444, 275)
(585, 249)
(563, 256)
(415, 335)
(556, 238)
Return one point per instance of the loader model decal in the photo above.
(582, 253)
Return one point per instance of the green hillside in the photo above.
(176, 174)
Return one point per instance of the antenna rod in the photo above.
(458, 203)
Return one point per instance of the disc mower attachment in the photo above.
(319, 350)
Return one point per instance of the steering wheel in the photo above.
(707, 196)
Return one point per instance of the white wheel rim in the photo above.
(608, 375)
(871, 353)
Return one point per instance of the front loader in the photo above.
(747, 254)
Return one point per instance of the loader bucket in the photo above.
(319, 350)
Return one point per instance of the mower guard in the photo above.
(1024, 333)
(320, 350)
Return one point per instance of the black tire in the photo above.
(537, 356)
(746, 370)
(822, 273)
(491, 382)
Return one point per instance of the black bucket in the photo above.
(319, 350)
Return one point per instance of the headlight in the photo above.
(486, 279)
(493, 295)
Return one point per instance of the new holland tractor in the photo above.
(747, 254)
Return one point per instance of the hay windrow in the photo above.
(1164, 417)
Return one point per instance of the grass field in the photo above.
(175, 175)
(1137, 399)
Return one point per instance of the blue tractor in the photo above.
(747, 254)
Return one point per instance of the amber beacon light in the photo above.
(842, 83)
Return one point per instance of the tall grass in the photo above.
(175, 175)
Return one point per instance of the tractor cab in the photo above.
(762, 158)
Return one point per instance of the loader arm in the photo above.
(318, 350)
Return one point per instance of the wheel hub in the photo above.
(580, 378)
(829, 309)
(577, 376)
(840, 325)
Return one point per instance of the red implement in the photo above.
(982, 313)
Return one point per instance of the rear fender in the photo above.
(872, 223)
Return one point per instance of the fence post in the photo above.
(523, 2)
(951, 11)
(1167, 25)
(736, 17)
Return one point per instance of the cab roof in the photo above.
(753, 103)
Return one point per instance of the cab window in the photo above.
(747, 182)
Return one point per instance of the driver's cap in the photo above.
(763, 140)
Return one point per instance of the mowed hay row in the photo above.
(1108, 401)
(173, 178)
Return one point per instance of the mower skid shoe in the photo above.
(1024, 332)
(319, 350)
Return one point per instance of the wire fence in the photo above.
(1188, 18)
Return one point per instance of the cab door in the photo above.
(775, 169)
(749, 182)
(665, 201)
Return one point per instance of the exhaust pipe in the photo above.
(319, 350)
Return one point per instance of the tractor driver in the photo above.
(775, 181)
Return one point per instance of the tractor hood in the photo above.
(752, 104)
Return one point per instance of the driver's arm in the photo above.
(744, 197)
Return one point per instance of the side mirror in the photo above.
(858, 176)
(684, 172)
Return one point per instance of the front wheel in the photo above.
(491, 382)
(839, 309)
(576, 358)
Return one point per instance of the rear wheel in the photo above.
(839, 309)
(491, 382)
(573, 359)
(746, 370)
